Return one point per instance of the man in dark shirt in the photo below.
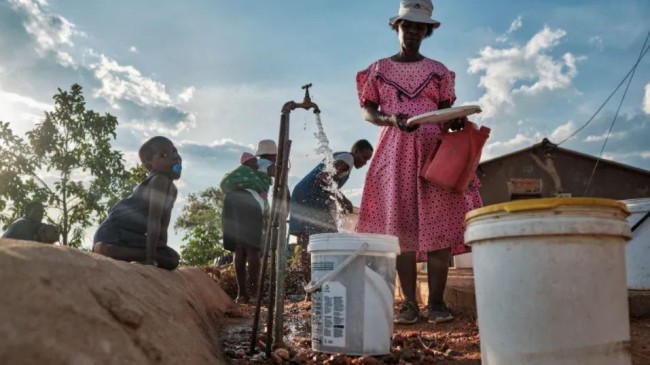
(30, 228)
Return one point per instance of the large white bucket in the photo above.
(637, 252)
(353, 284)
(550, 281)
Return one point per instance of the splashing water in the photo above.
(328, 159)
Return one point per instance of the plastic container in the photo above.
(637, 252)
(454, 163)
(463, 261)
(353, 285)
(550, 281)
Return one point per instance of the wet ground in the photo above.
(454, 343)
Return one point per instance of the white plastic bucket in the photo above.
(353, 284)
(550, 281)
(637, 252)
(463, 261)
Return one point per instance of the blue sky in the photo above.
(213, 75)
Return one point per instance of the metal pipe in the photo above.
(269, 313)
(276, 229)
(278, 329)
(268, 239)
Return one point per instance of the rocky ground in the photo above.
(452, 343)
(457, 342)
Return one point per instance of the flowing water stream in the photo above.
(331, 186)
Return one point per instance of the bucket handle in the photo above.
(640, 222)
(313, 286)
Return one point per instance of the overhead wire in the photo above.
(644, 50)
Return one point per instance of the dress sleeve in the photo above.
(447, 87)
(367, 87)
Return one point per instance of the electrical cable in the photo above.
(644, 50)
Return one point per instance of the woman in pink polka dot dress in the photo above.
(427, 219)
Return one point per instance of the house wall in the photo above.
(610, 181)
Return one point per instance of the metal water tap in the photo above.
(306, 103)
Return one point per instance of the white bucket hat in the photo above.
(266, 147)
(418, 11)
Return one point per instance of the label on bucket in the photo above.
(333, 307)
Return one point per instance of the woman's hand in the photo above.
(400, 122)
(346, 204)
(455, 124)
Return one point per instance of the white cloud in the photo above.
(519, 141)
(601, 137)
(65, 59)
(10, 97)
(152, 127)
(646, 100)
(22, 112)
(186, 95)
(134, 49)
(142, 100)
(597, 41)
(502, 69)
(352, 192)
(50, 31)
(545, 39)
(562, 132)
(516, 24)
(127, 83)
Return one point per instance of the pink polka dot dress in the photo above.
(396, 200)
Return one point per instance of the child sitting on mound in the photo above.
(136, 227)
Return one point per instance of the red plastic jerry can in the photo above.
(455, 161)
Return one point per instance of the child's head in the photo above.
(362, 151)
(48, 233)
(35, 211)
(248, 159)
(158, 154)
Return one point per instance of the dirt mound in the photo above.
(63, 306)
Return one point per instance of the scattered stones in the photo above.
(398, 340)
(283, 354)
(366, 360)
(419, 344)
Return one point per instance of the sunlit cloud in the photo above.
(51, 32)
(602, 137)
(646, 100)
(516, 24)
(562, 132)
(186, 95)
(526, 71)
(498, 148)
